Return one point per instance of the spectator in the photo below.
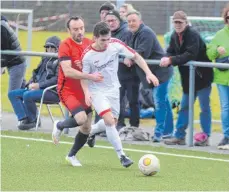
(186, 45)
(45, 75)
(218, 50)
(143, 40)
(105, 8)
(15, 64)
(125, 9)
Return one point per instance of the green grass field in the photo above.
(40, 166)
(37, 45)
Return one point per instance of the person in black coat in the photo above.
(143, 40)
(24, 100)
(15, 64)
(186, 45)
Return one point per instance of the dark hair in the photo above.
(73, 18)
(101, 28)
(225, 11)
(107, 6)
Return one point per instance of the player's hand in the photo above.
(165, 62)
(151, 78)
(221, 50)
(78, 63)
(34, 86)
(128, 62)
(97, 77)
(88, 99)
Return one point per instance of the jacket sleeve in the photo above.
(144, 48)
(170, 50)
(192, 48)
(212, 52)
(4, 37)
(53, 80)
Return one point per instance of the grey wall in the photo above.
(155, 13)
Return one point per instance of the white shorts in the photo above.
(103, 102)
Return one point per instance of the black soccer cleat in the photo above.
(91, 141)
(125, 161)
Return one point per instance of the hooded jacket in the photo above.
(46, 72)
(144, 41)
(9, 41)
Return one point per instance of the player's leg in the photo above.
(80, 139)
(78, 118)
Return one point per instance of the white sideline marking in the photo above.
(125, 149)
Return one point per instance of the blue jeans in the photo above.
(163, 111)
(24, 102)
(205, 114)
(224, 102)
(16, 76)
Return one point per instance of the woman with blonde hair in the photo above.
(124, 9)
(218, 50)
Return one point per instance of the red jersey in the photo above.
(70, 50)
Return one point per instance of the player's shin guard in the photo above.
(67, 123)
(114, 139)
(80, 140)
(98, 127)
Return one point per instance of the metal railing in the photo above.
(191, 64)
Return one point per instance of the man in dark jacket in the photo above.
(45, 75)
(186, 45)
(15, 64)
(143, 40)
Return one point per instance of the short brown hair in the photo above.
(225, 11)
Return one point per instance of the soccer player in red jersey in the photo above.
(69, 87)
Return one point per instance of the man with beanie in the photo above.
(144, 41)
(15, 64)
(127, 78)
(105, 8)
(186, 45)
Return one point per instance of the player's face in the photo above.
(103, 14)
(179, 26)
(77, 30)
(134, 22)
(102, 41)
(113, 22)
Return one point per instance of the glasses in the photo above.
(178, 22)
(111, 21)
(49, 46)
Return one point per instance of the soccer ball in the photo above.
(149, 164)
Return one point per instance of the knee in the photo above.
(109, 119)
(81, 118)
(11, 95)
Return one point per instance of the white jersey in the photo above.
(106, 62)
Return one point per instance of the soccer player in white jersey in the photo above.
(103, 57)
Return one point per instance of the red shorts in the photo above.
(74, 103)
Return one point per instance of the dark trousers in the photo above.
(129, 88)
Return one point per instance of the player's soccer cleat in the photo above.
(91, 141)
(56, 133)
(73, 161)
(125, 161)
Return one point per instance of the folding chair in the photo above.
(48, 105)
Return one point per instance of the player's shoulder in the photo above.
(87, 52)
(65, 42)
(116, 41)
(87, 41)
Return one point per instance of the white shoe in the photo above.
(73, 161)
(56, 133)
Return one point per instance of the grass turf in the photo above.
(40, 166)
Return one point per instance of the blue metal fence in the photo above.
(191, 64)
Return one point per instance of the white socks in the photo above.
(114, 139)
(98, 127)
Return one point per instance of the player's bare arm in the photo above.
(151, 78)
(87, 94)
(75, 74)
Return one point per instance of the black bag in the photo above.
(223, 60)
